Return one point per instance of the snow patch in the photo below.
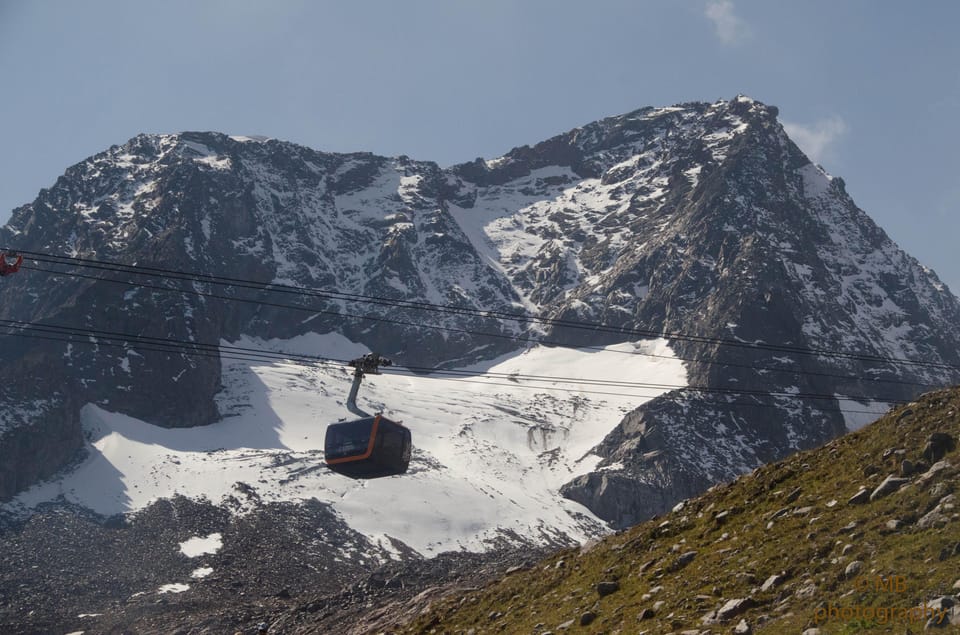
(857, 414)
(201, 545)
(816, 181)
(250, 138)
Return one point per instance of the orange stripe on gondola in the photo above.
(365, 455)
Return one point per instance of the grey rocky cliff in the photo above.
(265, 211)
(706, 220)
(700, 219)
(39, 422)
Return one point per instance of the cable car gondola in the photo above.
(370, 447)
(7, 267)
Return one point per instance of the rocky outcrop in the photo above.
(251, 210)
(622, 499)
(792, 262)
(888, 486)
(39, 424)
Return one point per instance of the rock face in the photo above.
(737, 236)
(701, 220)
(39, 422)
(266, 211)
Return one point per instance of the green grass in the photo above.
(735, 556)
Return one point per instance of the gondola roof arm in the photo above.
(369, 363)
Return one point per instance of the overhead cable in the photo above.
(517, 338)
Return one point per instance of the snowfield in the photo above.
(490, 454)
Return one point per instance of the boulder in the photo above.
(938, 444)
(888, 486)
(773, 581)
(861, 497)
(853, 569)
(607, 587)
(734, 607)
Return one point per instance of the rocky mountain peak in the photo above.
(699, 220)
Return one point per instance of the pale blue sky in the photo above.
(871, 88)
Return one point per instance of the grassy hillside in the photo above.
(780, 550)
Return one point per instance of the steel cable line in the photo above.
(179, 344)
(736, 404)
(71, 337)
(188, 347)
(257, 354)
(522, 386)
(677, 387)
(291, 289)
(517, 338)
(249, 359)
(71, 340)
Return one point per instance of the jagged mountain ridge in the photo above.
(699, 218)
(740, 237)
